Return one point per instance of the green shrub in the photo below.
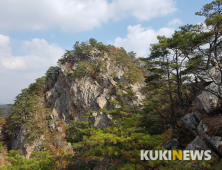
(102, 48)
(100, 67)
(119, 55)
(53, 70)
(67, 56)
(93, 42)
(81, 70)
(39, 161)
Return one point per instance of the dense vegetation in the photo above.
(172, 82)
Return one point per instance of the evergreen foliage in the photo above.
(100, 67)
(81, 70)
(92, 42)
(83, 50)
(133, 75)
(68, 55)
(39, 161)
(53, 70)
(119, 55)
(26, 112)
(102, 49)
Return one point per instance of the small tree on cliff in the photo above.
(93, 42)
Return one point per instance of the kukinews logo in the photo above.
(173, 155)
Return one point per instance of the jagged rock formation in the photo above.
(72, 98)
(204, 121)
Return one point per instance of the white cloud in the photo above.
(175, 22)
(4, 45)
(76, 15)
(17, 72)
(40, 54)
(139, 39)
(14, 63)
(143, 9)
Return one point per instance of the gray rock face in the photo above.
(209, 97)
(197, 143)
(202, 127)
(20, 142)
(216, 140)
(171, 144)
(207, 102)
(208, 76)
(191, 120)
(73, 98)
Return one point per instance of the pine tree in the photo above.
(39, 160)
(27, 111)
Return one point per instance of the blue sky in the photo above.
(35, 33)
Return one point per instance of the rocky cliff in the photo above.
(206, 119)
(79, 86)
(203, 120)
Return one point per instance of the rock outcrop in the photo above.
(70, 99)
(205, 120)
